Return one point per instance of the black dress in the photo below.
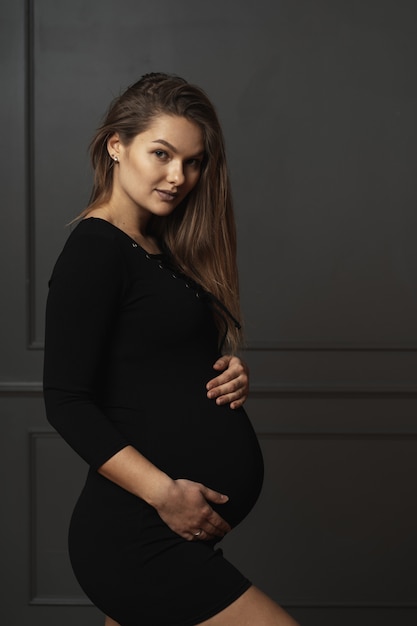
(130, 346)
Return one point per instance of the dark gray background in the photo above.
(318, 100)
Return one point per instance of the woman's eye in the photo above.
(196, 163)
(161, 154)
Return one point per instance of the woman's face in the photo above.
(159, 167)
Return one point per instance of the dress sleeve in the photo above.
(84, 298)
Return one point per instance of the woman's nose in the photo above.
(176, 174)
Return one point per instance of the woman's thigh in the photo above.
(253, 608)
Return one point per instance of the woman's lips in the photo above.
(166, 196)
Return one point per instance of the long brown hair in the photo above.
(200, 234)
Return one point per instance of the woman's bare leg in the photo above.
(253, 608)
(110, 622)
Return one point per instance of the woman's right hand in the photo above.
(186, 510)
(184, 505)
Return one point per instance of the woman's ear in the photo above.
(113, 146)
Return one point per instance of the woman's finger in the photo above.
(234, 370)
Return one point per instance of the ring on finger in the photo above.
(198, 533)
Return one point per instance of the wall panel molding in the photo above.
(56, 474)
(18, 388)
(290, 473)
(333, 390)
(294, 346)
(35, 342)
(258, 391)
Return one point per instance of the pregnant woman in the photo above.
(143, 301)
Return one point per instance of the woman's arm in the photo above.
(85, 292)
(182, 504)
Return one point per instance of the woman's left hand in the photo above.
(232, 386)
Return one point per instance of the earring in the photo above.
(114, 157)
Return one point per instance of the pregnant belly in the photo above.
(213, 445)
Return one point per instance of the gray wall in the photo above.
(318, 102)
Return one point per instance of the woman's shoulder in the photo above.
(92, 235)
(94, 227)
(94, 244)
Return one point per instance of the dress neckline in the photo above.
(134, 243)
